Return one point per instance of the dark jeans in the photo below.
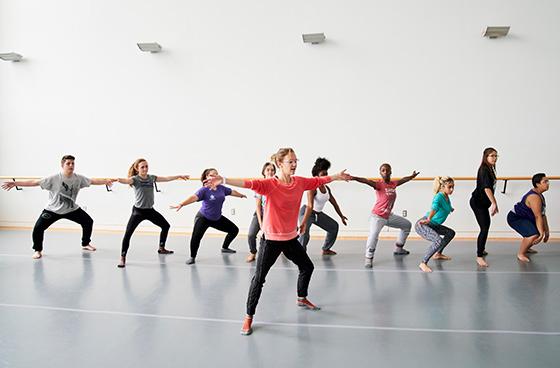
(268, 253)
(138, 215)
(201, 224)
(483, 218)
(48, 218)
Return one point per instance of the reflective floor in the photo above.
(78, 309)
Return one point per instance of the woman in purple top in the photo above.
(528, 217)
(210, 214)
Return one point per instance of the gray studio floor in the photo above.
(77, 309)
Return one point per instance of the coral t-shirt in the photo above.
(386, 196)
(282, 203)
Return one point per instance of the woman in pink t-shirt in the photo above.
(382, 214)
(283, 197)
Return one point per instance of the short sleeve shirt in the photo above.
(143, 191)
(63, 191)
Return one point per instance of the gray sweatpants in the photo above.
(322, 220)
(433, 232)
(377, 223)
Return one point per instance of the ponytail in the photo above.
(133, 170)
(440, 181)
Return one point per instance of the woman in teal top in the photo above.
(430, 226)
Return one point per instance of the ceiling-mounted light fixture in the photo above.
(314, 38)
(152, 47)
(495, 32)
(10, 56)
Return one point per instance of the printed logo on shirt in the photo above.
(212, 198)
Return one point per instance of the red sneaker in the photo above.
(329, 252)
(246, 329)
(305, 303)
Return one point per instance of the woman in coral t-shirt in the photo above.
(283, 197)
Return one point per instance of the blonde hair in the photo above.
(440, 181)
(279, 156)
(133, 170)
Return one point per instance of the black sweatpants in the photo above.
(483, 218)
(138, 215)
(48, 218)
(268, 253)
(201, 224)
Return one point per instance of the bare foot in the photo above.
(441, 257)
(36, 255)
(89, 247)
(251, 258)
(531, 251)
(523, 258)
(481, 262)
(424, 267)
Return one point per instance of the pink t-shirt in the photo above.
(386, 196)
(282, 203)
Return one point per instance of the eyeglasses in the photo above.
(291, 162)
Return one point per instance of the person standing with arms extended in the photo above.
(143, 209)
(483, 202)
(382, 212)
(283, 197)
(63, 190)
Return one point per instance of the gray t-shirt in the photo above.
(63, 191)
(143, 191)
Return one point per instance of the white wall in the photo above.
(408, 82)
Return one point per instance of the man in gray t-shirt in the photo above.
(63, 189)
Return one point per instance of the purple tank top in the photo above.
(521, 209)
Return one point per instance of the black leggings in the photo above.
(483, 218)
(201, 224)
(138, 215)
(269, 252)
(48, 218)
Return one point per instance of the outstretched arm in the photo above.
(186, 202)
(103, 181)
(366, 181)
(125, 180)
(164, 179)
(235, 193)
(7, 185)
(336, 207)
(406, 179)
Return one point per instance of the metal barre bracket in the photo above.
(505, 186)
(17, 188)
(155, 186)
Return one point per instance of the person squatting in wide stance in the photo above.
(283, 196)
(431, 228)
(312, 212)
(143, 208)
(63, 190)
(528, 217)
(268, 171)
(382, 215)
(210, 213)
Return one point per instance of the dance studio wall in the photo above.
(408, 82)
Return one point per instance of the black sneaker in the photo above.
(227, 250)
(401, 252)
